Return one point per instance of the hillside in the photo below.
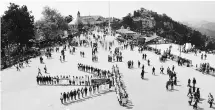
(165, 27)
(205, 27)
(206, 31)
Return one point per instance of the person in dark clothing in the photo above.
(45, 69)
(148, 62)
(64, 97)
(38, 80)
(194, 89)
(78, 93)
(198, 93)
(172, 85)
(67, 96)
(143, 67)
(90, 90)
(189, 91)
(173, 68)
(153, 70)
(71, 95)
(175, 80)
(138, 64)
(188, 85)
(142, 74)
(210, 100)
(97, 86)
(74, 94)
(161, 72)
(85, 91)
(191, 99)
(132, 63)
(195, 104)
(41, 60)
(82, 92)
(94, 89)
(194, 82)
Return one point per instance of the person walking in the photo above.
(162, 69)
(210, 100)
(153, 71)
(173, 68)
(61, 98)
(148, 62)
(39, 72)
(45, 69)
(194, 82)
(189, 91)
(190, 99)
(188, 85)
(142, 74)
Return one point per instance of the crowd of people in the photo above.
(122, 95)
(21, 64)
(206, 68)
(194, 95)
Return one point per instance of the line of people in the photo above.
(121, 92)
(81, 93)
(98, 72)
(56, 80)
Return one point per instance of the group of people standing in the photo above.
(56, 80)
(21, 65)
(96, 71)
(76, 94)
(194, 95)
(202, 56)
(130, 64)
(121, 92)
(205, 68)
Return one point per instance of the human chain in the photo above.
(120, 88)
(83, 92)
(98, 72)
(64, 80)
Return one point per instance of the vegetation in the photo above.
(52, 24)
(17, 26)
(167, 28)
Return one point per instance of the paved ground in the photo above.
(20, 90)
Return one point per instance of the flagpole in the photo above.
(109, 16)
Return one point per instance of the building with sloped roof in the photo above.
(86, 20)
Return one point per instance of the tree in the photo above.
(69, 18)
(210, 45)
(128, 21)
(80, 26)
(52, 24)
(17, 25)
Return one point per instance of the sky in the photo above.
(178, 10)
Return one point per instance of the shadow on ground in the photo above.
(86, 98)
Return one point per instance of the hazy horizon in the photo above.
(177, 10)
